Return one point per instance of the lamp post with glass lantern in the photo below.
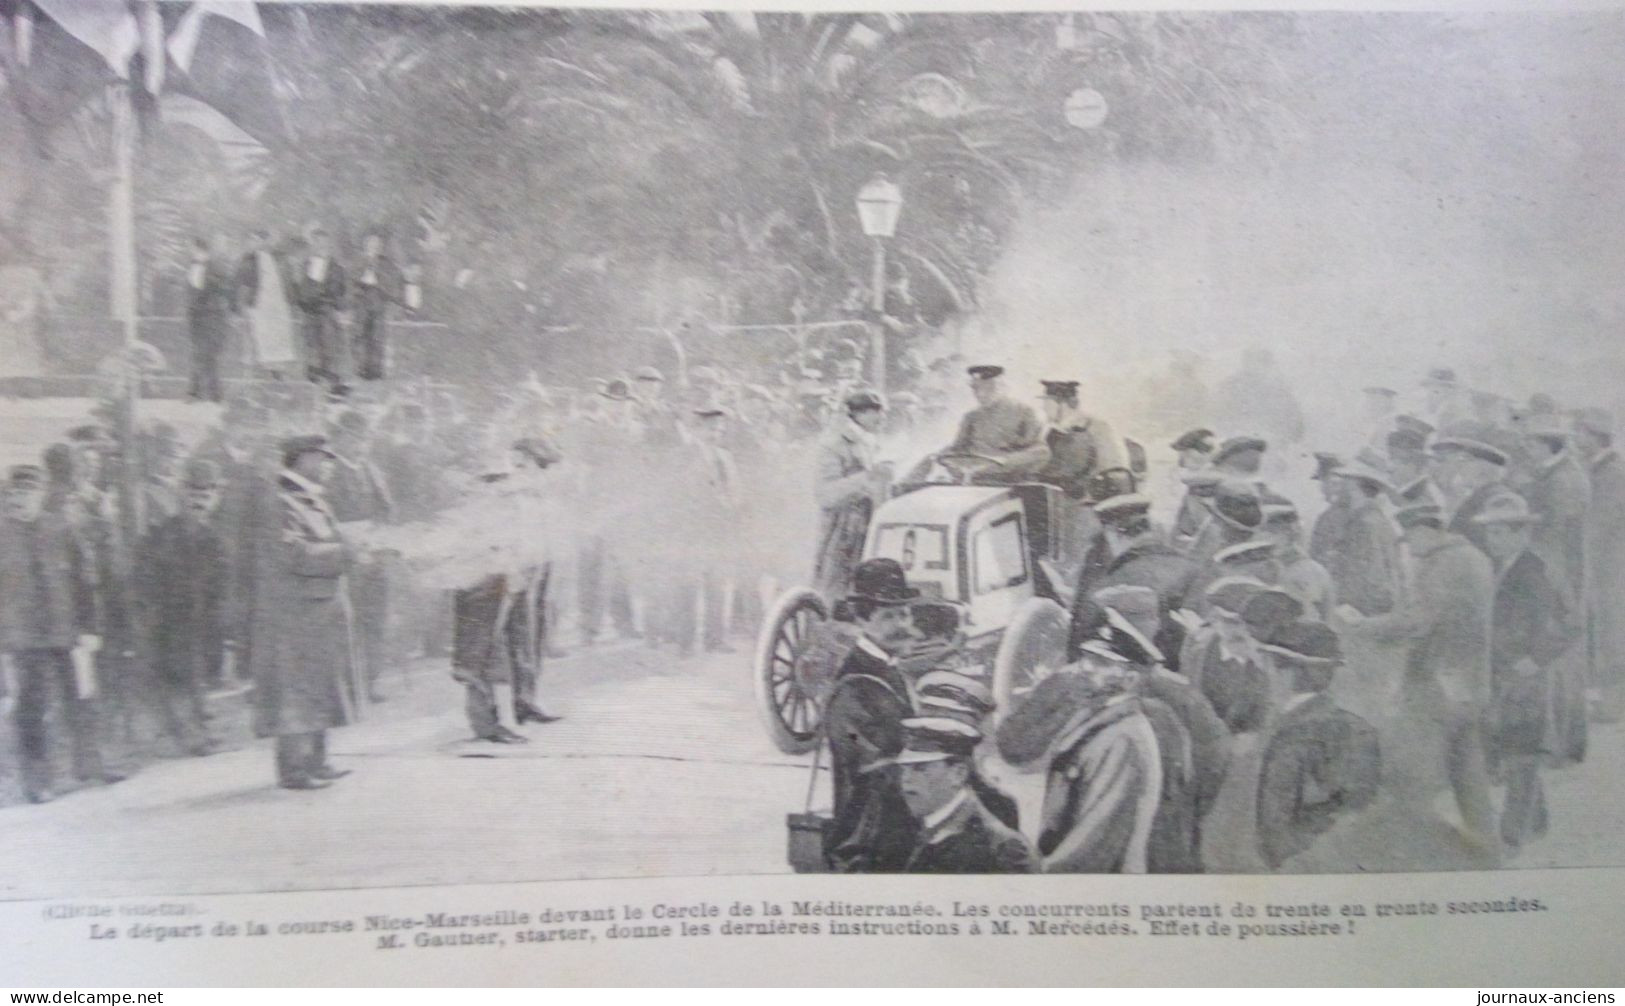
(880, 202)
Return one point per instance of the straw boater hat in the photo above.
(1506, 508)
(1471, 440)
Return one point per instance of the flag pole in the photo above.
(122, 294)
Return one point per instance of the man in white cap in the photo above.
(1604, 563)
(1530, 633)
(957, 833)
(851, 482)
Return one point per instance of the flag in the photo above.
(54, 65)
(218, 55)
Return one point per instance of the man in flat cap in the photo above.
(48, 634)
(1193, 450)
(1444, 629)
(851, 483)
(1604, 563)
(182, 585)
(305, 680)
(1134, 556)
(872, 829)
(1532, 629)
(957, 834)
(1075, 446)
(1322, 762)
(999, 427)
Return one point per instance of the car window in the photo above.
(915, 546)
(1001, 555)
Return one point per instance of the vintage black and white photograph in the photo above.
(454, 445)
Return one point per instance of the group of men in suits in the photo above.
(303, 308)
(1203, 721)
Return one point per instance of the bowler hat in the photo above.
(1061, 391)
(294, 448)
(984, 371)
(881, 581)
(1200, 439)
(859, 401)
(1236, 445)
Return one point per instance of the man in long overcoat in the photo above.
(1445, 629)
(1365, 566)
(851, 483)
(1604, 563)
(302, 656)
(1530, 633)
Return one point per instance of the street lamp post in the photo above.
(880, 202)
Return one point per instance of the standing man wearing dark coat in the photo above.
(872, 830)
(957, 834)
(304, 677)
(1074, 447)
(320, 288)
(1604, 564)
(1530, 632)
(379, 282)
(181, 575)
(360, 498)
(1322, 762)
(211, 291)
(47, 631)
(851, 483)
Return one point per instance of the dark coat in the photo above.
(324, 297)
(1560, 494)
(388, 285)
(1364, 566)
(971, 840)
(48, 600)
(1149, 563)
(302, 657)
(1240, 689)
(209, 306)
(872, 830)
(1209, 739)
(1605, 571)
(181, 586)
(1172, 847)
(1322, 762)
(358, 492)
(1530, 622)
